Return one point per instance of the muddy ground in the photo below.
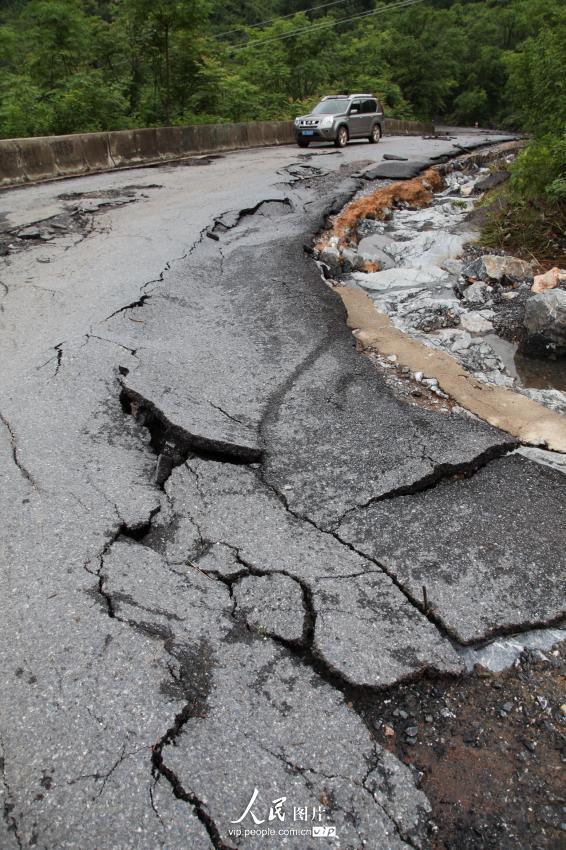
(490, 749)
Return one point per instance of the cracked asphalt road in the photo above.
(220, 526)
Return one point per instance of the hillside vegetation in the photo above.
(69, 66)
(83, 65)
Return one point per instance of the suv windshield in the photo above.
(331, 107)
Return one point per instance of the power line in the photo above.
(282, 17)
(393, 7)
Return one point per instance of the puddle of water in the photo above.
(541, 374)
(528, 371)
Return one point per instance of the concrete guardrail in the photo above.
(49, 157)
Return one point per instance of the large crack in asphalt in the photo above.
(302, 651)
(167, 639)
(173, 443)
(440, 473)
(16, 453)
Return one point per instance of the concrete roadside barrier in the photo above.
(68, 152)
(11, 171)
(96, 151)
(49, 157)
(37, 159)
(398, 127)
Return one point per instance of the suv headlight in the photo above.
(297, 122)
(327, 122)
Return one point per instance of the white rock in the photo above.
(462, 342)
(431, 248)
(477, 293)
(453, 267)
(475, 324)
(401, 278)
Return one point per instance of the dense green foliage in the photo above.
(80, 65)
(529, 215)
(83, 65)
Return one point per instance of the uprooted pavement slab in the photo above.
(145, 681)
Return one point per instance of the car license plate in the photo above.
(308, 132)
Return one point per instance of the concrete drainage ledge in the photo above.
(42, 158)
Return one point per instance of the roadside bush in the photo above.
(88, 104)
(528, 217)
(540, 170)
(23, 109)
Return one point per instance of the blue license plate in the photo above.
(308, 132)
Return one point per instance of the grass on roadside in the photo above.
(527, 216)
(534, 229)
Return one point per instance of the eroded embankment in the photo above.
(503, 407)
(510, 411)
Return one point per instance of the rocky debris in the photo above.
(475, 323)
(401, 380)
(495, 178)
(430, 249)
(391, 280)
(415, 193)
(477, 294)
(545, 323)
(553, 399)
(330, 256)
(435, 317)
(445, 541)
(502, 269)
(549, 280)
(409, 259)
(373, 249)
(349, 260)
